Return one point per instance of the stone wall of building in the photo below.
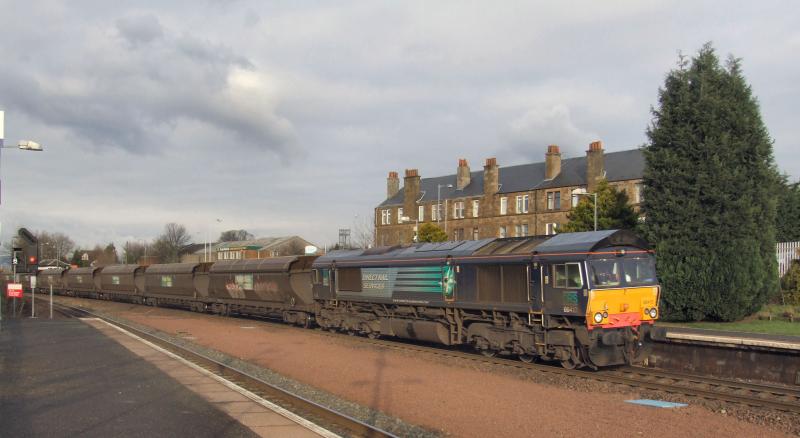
(489, 221)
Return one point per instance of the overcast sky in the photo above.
(284, 118)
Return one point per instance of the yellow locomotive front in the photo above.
(622, 304)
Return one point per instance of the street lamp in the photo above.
(25, 145)
(207, 246)
(593, 195)
(439, 205)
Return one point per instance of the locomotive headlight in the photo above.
(653, 313)
(598, 317)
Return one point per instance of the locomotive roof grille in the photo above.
(560, 244)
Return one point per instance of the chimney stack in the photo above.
(410, 194)
(392, 185)
(462, 174)
(491, 185)
(595, 165)
(552, 162)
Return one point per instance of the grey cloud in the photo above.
(133, 93)
(530, 133)
(140, 30)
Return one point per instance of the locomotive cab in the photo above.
(606, 289)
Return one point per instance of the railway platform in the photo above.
(727, 354)
(83, 377)
(729, 338)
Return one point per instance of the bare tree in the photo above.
(235, 235)
(167, 245)
(54, 246)
(133, 252)
(363, 232)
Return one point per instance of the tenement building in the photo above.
(515, 201)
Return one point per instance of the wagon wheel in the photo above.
(489, 353)
(527, 358)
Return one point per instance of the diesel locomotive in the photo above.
(586, 299)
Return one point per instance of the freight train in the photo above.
(586, 299)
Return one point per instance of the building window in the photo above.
(386, 217)
(475, 233)
(458, 210)
(458, 234)
(436, 212)
(244, 281)
(399, 215)
(502, 232)
(504, 205)
(421, 213)
(524, 230)
(522, 203)
(551, 228)
(638, 193)
(554, 200)
(475, 205)
(517, 230)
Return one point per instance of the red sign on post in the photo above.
(14, 290)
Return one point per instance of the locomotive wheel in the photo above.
(569, 364)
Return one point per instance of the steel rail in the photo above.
(774, 389)
(297, 404)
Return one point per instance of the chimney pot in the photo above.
(411, 192)
(595, 165)
(552, 162)
(491, 161)
(596, 146)
(462, 174)
(392, 185)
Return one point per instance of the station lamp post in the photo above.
(439, 204)
(25, 145)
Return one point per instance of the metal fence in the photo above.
(787, 251)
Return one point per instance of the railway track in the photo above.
(777, 397)
(314, 412)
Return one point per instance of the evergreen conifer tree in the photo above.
(709, 185)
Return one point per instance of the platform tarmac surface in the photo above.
(69, 377)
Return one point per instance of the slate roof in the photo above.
(619, 166)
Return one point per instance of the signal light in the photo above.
(32, 260)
